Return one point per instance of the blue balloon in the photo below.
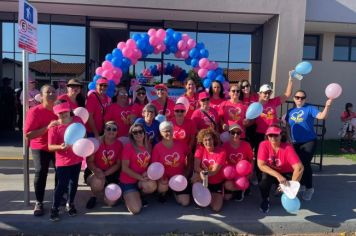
(168, 40)
(200, 46)
(173, 48)
(160, 118)
(73, 133)
(117, 53)
(91, 86)
(110, 93)
(117, 62)
(204, 53)
(207, 83)
(290, 205)
(188, 61)
(304, 68)
(177, 36)
(211, 75)
(194, 62)
(96, 77)
(219, 71)
(108, 57)
(167, 51)
(136, 36)
(169, 32)
(254, 110)
(145, 37)
(220, 78)
(194, 53)
(126, 62)
(149, 49)
(141, 44)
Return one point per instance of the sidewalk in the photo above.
(333, 209)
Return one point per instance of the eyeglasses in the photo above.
(245, 86)
(299, 98)
(141, 94)
(136, 132)
(205, 99)
(111, 129)
(166, 131)
(123, 94)
(233, 133)
(267, 92)
(179, 111)
(235, 91)
(50, 92)
(103, 85)
(273, 135)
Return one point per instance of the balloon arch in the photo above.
(157, 41)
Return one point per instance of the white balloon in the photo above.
(38, 98)
(225, 137)
(82, 113)
(291, 190)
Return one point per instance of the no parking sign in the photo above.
(27, 27)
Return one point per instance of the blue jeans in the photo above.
(67, 180)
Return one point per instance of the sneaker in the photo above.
(38, 211)
(264, 207)
(239, 196)
(54, 215)
(91, 203)
(308, 194)
(70, 209)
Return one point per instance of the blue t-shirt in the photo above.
(152, 131)
(301, 121)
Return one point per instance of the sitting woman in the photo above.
(173, 155)
(210, 158)
(133, 177)
(104, 164)
(278, 163)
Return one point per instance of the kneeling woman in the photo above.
(278, 162)
(104, 164)
(173, 155)
(135, 160)
(210, 158)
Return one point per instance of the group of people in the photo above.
(188, 143)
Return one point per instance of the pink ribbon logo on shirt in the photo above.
(208, 164)
(172, 160)
(143, 159)
(179, 134)
(235, 158)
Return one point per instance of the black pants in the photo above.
(305, 152)
(41, 161)
(266, 182)
(68, 177)
(257, 140)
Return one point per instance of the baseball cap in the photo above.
(265, 88)
(62, 107)
(203, 95)
(273, 130)
(179, 106)
(74, 82)
(235, 126)
(161, 86)
(102, 81)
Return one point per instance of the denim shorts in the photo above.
(128, 188)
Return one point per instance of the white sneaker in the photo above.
(308, 194)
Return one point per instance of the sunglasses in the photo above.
(233, 133)
(136, 132)
(299, 98)
(235, 91)
(160, 90)
(273, 135)
(245, 86)
(141, 94)
(123, 94)
(205, 100)
(267, 92)
(113, 129)
(103, 85)
(179, 111)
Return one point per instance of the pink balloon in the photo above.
(181, 45)
(107, 74)
(201, 195)
(242, 183)
(82, 113)
(121, 45)
(161, 47)
(137, 53)
(225, 137)
(99, 70)
(117, 73)
(204, 63)
(127, 52)
(107, 65)
(84, 165)
(185, 54)
(185, 37)
(178, 183)
(83, 147)
(178, 54)
(130, 43)
(95, 142)
(151, 32)
(161, 34)
(154, 40)
(155, 171)
(243, 168)
(156, 51)
(184, 101)
(202, 73)
(124, 140)
(191, 43)
(226, 85)
(333, 91)
(213, 65)
(229, 172)
(113, 192)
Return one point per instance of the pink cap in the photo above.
(161, 86)
(273, 130)
(179, 106)
(62, 107)
(102, 81)
(203, 95)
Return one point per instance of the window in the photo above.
(345, 48)
(311, 50)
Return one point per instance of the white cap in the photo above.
(265, 87)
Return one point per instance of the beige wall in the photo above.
(325, 72)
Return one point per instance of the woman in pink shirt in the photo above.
(278, 162)
(67, 163)
(217, 95)
(139, 101)
(38, 120)
(173, 156)
(205, 116)
(104, 164)
(208, 163)
(163, 103)
(191, 95)
(135, 160)
(120, 112)
(73, 95)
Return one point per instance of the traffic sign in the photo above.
(27, 27)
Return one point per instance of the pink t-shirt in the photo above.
(138, 162)
(344, 116)
(37, 118)
(215, 103)
(268, 116)
(282, 161)
(173, 159)
(107, 155)
(242, 152)
(137, 109)
(66, 97)
(98, 110)
(56, 137)
(193, 104)
(184, 132)
(252, 98)
(202, 121)
(121, 115)
(169, 110)
(209, 159)
(232, 113)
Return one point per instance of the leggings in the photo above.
(305, 152)
(267, 181)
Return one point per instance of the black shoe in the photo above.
(91, 203)
(264, 207)
(38, 211)
(144, 202)
(70, 209)
(162, 198)
(239, 196)
(54, 215)
(247, 192)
